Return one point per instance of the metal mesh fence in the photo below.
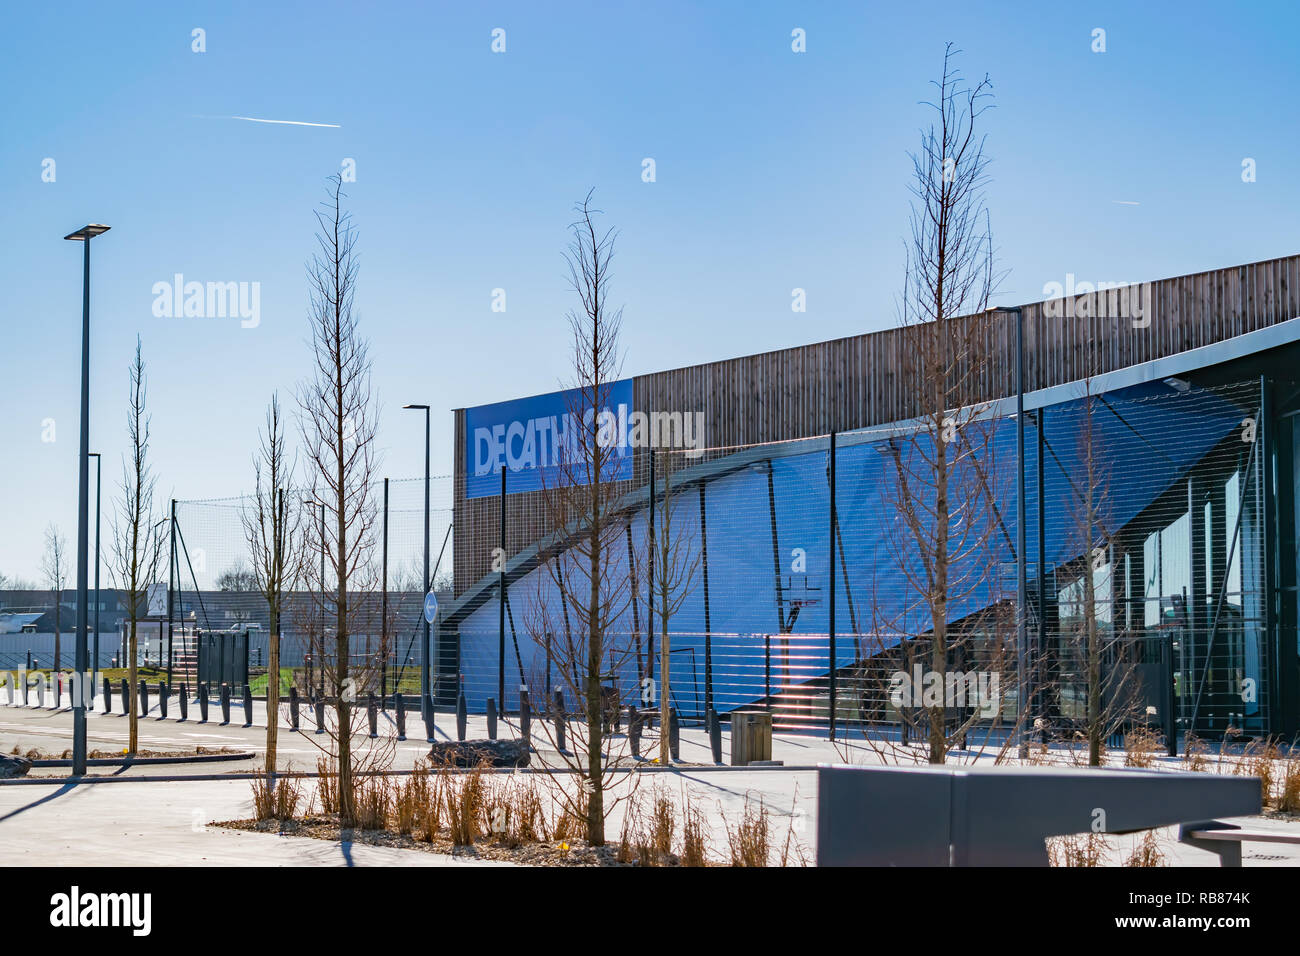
(213, 587)
(1143, 552)
(1143, 558)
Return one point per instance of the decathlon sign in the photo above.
(532, 437)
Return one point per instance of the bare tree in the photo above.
(943, 494)
(676, 560)
(239, 578)
(137, 533)
(338, 420)
(1092, 642)
(579, 497)
(271, 528)
(54, 566)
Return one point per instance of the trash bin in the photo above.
(751, 737)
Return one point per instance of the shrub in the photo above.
(749, 842)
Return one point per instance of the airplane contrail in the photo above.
(255, 119)
(1125, 202)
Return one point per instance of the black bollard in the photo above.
(248, 706)
(399, 705)
(559, 721)
(126, 697)
(144, 699)
(203, 703)
(462, 716)
(293, 708)
(492, 718)
(372, 711)
(183, 698)
(108, 696)
(320, 716)
(162, 700)
(525, 718)
(715, 735)
(674, 734)
(634, 730)
(225, 704)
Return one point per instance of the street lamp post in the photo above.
(83, 235)
(99, 489)
(426, 704)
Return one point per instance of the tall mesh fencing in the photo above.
(215, 590)
(882, 607)
(1143, 558)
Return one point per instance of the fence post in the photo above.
(372, 712)
(559, 721)
(525, 717)
(162, 700)
(715, 735)
(1171, 726)
(184, 701)
(634, 730)
(492, 719)
(248, 706)
(225, 704)
(203, 702)
(320, 716)
(293, 707)
(400, 706)
(461, 716)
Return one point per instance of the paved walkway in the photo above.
(150, 821)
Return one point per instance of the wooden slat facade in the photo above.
(857, 382)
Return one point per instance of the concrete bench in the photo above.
(1001, 816)
(1226, 839)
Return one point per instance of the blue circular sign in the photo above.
(430, 607)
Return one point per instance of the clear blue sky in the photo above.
(775, 170)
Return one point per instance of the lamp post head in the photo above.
(88, 232)
(421, 407)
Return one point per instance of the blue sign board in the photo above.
(430, 607)
(533, 437)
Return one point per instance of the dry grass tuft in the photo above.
(278, 801)
(328, 786)
(1289, 801)
(572, 822)
(1147, 852)
(694, 836)
(749, 842)
(466, 809)
(1260, 760)
(1141, 744)
(1083, 850)
(372, 798)
(1196, 755)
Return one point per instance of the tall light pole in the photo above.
(83, 235)
(1022, 632)
(426, 705)
(99, 490)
